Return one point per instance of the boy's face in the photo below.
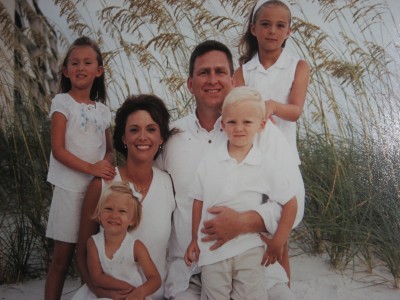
(241, 122)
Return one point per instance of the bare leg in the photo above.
(62, 256)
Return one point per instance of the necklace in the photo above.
(141, 189)
(145, 184)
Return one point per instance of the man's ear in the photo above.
(189, 84)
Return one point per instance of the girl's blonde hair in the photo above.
(243, 93)
(120, 187)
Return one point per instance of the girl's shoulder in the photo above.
(62, 103)
(62, 98)
(102, 106)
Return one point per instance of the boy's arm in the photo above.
(193, 251)
(99, 278)
(285, 224)
(196, 217)
(153, 278)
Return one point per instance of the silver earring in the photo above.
(125, 146)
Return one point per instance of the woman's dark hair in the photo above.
(98, 91)
(150, 103)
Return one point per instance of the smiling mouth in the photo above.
(143, 147)
(213, 91)
(113, 223)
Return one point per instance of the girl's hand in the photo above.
(103, 169)
(136, 295)
(270, 110)
(123, 294)
(192, 253)
(274, 251)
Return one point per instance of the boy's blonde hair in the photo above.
(120, 187)
(243, 93)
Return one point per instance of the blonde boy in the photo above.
(237, 175)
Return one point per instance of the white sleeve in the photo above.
(270, 212)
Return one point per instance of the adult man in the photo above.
(210, 80)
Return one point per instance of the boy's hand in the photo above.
(274, 251)
(192, 253)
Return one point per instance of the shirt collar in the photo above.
(254, 157)
(217, 125)
(283, 62)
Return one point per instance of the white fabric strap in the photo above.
(261, 2)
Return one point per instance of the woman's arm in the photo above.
(87, 228)
(97, 275)
(58, 130)
(153, 282)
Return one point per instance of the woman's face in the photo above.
(142, 136)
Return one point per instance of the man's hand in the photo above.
(223, 227)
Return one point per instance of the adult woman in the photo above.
(141, 128)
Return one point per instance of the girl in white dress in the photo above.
(281, 78)
(116, 260)
(80, 149)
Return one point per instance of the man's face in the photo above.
(211, 80)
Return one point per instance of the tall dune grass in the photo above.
(347, 135)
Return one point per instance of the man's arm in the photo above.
(228, 223)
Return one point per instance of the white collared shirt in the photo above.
(220, 180)
(275, 83)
